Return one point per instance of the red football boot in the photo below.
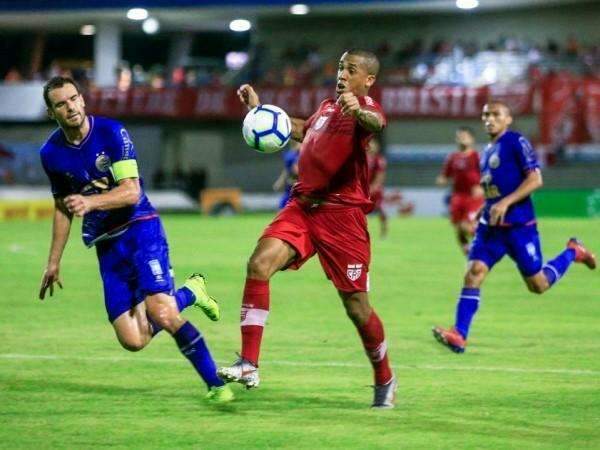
(582, 254)
(450, 338)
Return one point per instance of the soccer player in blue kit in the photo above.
(507, 225)
(92, 167)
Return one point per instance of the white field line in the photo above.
(117, 359)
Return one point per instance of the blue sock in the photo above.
(467, 306)
(192, 345)
(556, 268)
(184, 298)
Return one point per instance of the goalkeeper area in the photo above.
(529, 379)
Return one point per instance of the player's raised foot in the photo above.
(582, 254)
(450, 338)
(197, 284)
(241, 371)
(220, 394)
(385, 394)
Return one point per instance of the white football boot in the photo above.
(241, 371)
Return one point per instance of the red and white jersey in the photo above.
(463, 168)
(333, 157)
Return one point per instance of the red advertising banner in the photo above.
(570, 112)
(222, 103)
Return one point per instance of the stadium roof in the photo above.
(192, 15)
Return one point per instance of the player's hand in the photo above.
(248, 96)
(78, 205)
(349, 103)
(48, 279)
(497, 213)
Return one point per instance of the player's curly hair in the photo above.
(55, 83)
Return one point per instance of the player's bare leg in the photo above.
(132, 328)
(464, 233)
(455, 338)
(269, 256)
(162, 309)
(371, 332)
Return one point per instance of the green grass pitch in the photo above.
(530, 378)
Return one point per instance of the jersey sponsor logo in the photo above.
(103, 162)
(96, 186)
(320, 122)
(354, 271)
(528, 150)
(126, 144)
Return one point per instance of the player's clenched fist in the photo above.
(77, 205)
(349, 103)
(248, 96)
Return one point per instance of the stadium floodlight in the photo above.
(87, 30)
(240, 25)
(299, 9)
(137, 14)
(150, 25)
(467, 4)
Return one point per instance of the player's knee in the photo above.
(357, 310)
(259, 267)
(162, 313)
(132, 343)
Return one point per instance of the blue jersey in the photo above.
(87, 169)
(504, 166)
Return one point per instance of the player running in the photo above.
(377, 168)
(92, 167)
(509, 174)
(462, 167)
(326, 216)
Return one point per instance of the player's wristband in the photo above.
(126, 168)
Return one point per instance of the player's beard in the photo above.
(74, 125)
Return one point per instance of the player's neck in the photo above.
(76, 135)
(495, 138)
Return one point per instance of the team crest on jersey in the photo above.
(354, 271)
(103, 162)
(494, 161)
(320, 122)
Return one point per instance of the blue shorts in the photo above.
(134, 265)
(521, 243)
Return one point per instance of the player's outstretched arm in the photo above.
(532, 182)
(127, 193)
(61, 226)
(248, 96)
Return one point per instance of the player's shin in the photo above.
(191, 343)
(254, 313)
(373, 339)
(556, 268)
(467, 306)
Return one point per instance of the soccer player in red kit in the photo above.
(325, 216)
(377, 167)
(462, 166)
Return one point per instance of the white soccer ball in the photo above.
(267, 128)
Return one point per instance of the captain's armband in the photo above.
(126, 168)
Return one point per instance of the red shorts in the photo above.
(337, 234)
(464, 208)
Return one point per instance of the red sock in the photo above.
(255, 310)
(373, 340)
